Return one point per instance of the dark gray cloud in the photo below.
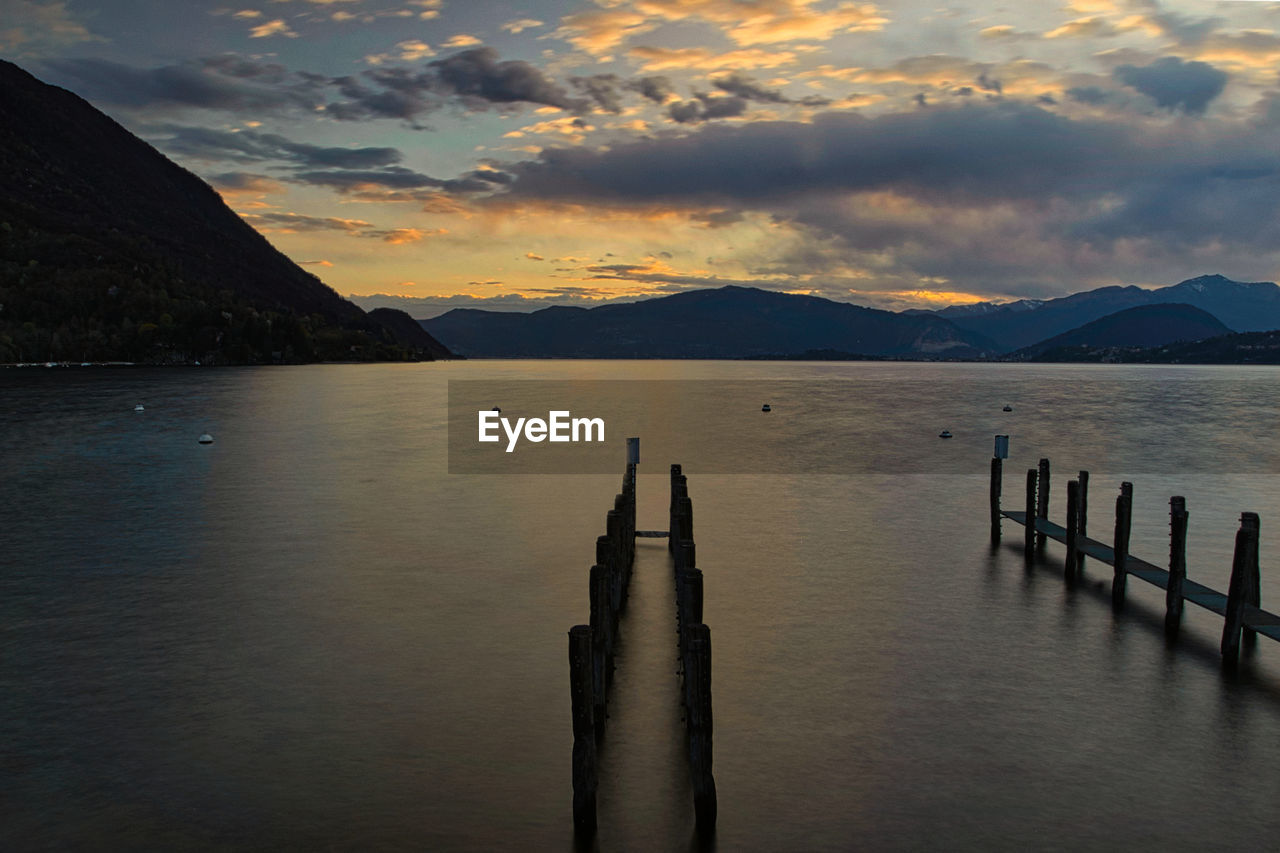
(742, 86)
(656, 89)
(202, 143)
(705, 107)
(604, 89)
(223, 83)
(478, 74)
(392, 177)
(1005, 194)
(1174, 84)
(984, 152)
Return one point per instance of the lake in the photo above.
(310, 635)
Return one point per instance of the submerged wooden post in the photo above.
(1177, 564)
(1082, 517)
(1239, 592)
(1120, 544)
(698, 675)
(601, 646)
(1071, 564)
(1042, 505)
(584, 739)
(997, 473)
(1029, 543)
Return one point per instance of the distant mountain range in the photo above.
(729, 322)
(109, 251)
(739, 322)
(1240, 306)
(1144, 326)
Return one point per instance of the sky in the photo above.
(521, 153)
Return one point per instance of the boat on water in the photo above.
(1008, 408)
(766, 408)
(946, 433)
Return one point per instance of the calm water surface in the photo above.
(309, 635)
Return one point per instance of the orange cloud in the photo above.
(704, 59)
(272, 28)
(751, 22)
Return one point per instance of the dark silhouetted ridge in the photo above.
(108, 250)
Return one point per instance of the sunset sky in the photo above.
(529, 152)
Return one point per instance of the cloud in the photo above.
(292, 223)
(244, 183)
(519, 25)
(998, 196)
(204, 143)
(224, 83)
(656, 89)
(604, 89)
(476, 77)
(705, 59)
(745, 22)
(461, 40)
(272, 28)
(531, 256)
(705, 107)
(1174, 84)
(601, 30)
(29, 28)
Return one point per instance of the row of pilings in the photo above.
(591, 647)
(1240, 606)
(694, 644)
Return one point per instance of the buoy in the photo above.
(138, 408)
(205, 439)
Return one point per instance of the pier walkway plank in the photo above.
(1255, 619)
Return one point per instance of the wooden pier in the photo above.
(1240, 606)
(592, 647)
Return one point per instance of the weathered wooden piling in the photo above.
(601, 647)
(997, 474)
(1177, 564)
(698, 675)
(1029, 543)
(581, 691)
(1120, 543)
(1071, 565)
(1082, 517)
(1243, 590)
(1042, 503)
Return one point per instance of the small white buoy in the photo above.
(205, 439)
(139, 408)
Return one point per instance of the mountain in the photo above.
(1241, 306)
(109, 251)
(728, 322)
(1144, 326)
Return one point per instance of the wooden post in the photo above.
(700, 730)
(1120, 545)
(581, 692)
(1082, 518)
(1253, 581)
(1030, 532)
(601, 647)
(1071, 565)
(685, 508)
(1177, 564)
(671, 528)
(1239, 593)
(997, 473)
(1042, 505)
(617, 572)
